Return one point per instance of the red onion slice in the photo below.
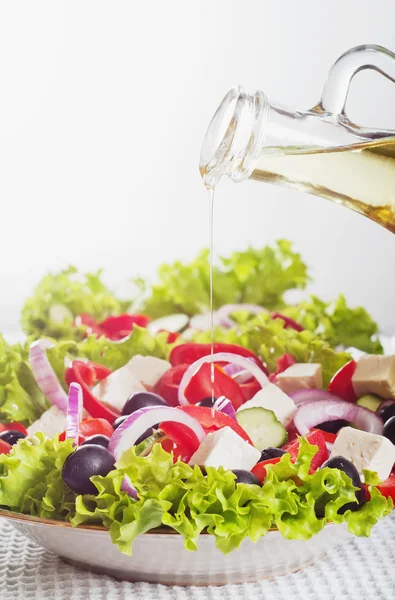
(224, 405)
(125, 436)
(238, 373)
(313, 413)
(227, 309)
(45, 376)
(228, 357)
(311, 395)
(74, 412)
(128, 487)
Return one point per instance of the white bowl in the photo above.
(160, 556)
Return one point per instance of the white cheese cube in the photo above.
(117, 387)
(375, 374)
(365, 451)
(272, 398)
(225, 448)
(300, 376)
(52, 422)
(148, 369)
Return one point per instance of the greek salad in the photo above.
(134, 421)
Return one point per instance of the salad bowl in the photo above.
(160, 556)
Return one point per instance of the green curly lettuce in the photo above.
(59, 298)
(20, 397)
(184, 498)
(337, 323)
(270, 340)
(255, 276)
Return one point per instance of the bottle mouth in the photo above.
(234, 137)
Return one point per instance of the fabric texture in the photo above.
(360, 569)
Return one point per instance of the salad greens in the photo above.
(255, 276)
(20, 397)
(271, 340)
(184, 499)
(58, 299)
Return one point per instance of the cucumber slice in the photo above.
(370, 401)
(263, 427)
(144, 448)
(174, 323)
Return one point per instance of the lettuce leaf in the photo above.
(257, 276)
(337, 323)
(186, 499)
(270, 340)
(20, 397)
(68, 294)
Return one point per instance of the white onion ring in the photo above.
(229, 357)
(313, 413)
(45, 376)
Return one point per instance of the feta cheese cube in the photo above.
(225, 448)
(375, 374)
(272, 398)
(365, 451)
(52, 422)
(299, 377)
(117, 387)
(148, 369)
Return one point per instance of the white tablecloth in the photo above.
(361, 569)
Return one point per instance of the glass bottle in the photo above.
(319, 151)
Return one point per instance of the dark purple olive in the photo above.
(386, 412)
(98, 439)
(268, 453)
(83, 463)
(119, 421)
(389, 429)
(245, 477)
(143, 436)
(142, 400)
(339, 462)
(209, 402)
(333, 426)
(11, 436)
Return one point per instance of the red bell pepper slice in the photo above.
(201, 386)
(89, 427)
(13, 427)
(92, 327)
(341, 382)
(260, 468)
(4, 447)
(211, 420)
(283, 363)
(249, 389)
(387, 488)
(88, 374)
(191, 352)
(168, 384)
(288, 322)
(315, 438)
(116, 328)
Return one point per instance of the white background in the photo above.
(103, 107)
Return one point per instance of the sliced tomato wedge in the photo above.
(260, 468)
(116, 328)
(4, 447)
(191, 352)
(387, 488)
(283, 363)
(341, 382)
(315, 438)
(167, 386)
(13, 426)
(210, 420)
(201, 386)
(89, 427)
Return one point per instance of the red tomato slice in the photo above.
(89, 427)
(210, 420)
(288, 322)
(115, 328)
(191, 352)
(167, 386)
(201, 386)
(4, 447)
(387, 488)
(249, 389)
(260, 468)
(13, 427)
(341, 382)
(315, 438)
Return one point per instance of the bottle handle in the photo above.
(334, 96)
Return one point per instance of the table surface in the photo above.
(361, 569)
